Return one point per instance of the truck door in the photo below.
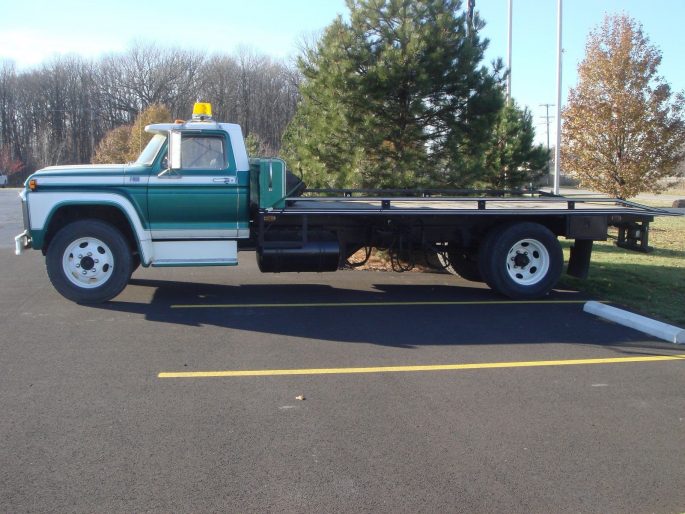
(199, 199)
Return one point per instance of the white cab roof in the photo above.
(235, 134)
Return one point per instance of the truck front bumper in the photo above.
(22, 242)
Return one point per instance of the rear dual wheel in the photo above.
(460, 261)
(522, 260)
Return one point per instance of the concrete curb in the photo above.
(654, 328)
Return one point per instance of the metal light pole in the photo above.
(557, 150)
(509, 52)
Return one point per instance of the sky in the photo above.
(33, 31)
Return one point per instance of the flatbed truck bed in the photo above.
(387, 205)
(318, 229)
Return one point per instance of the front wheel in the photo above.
(89, 261)
(522, 261)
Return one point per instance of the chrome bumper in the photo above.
(22, 242)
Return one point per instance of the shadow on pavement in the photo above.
(402, 326)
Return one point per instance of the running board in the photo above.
(194, 253)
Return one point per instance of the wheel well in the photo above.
(555, 225)
(107, 213)
(471, 233)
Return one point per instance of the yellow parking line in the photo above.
(368, 304)
(397, 369)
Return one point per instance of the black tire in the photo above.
(522, 261)
(135, 262)
(462, 262)
(98, 274)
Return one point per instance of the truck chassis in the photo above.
(509, 242)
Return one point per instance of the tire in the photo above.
(96, 275)
(461, 262)
(135, 262)
(522, 261)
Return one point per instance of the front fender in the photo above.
(44, 206)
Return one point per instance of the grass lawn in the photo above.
(653, 283)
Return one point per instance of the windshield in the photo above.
(147, 156)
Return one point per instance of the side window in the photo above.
(203, 153)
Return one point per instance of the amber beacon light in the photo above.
(202, 111)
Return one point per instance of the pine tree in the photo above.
(623, 133)
(511, 160)
(257, 147)
(396, 97)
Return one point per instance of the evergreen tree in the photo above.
(511, 160)
(396, 97)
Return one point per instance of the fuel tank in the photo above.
(315, 256)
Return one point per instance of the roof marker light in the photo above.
(202, 111)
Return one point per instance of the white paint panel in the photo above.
(194, 251)
(41, 204)
(199, 233)
(238, 143)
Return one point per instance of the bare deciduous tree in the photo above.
(60, 111)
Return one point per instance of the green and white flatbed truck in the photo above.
(194, 198)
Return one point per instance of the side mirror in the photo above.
(175, 150)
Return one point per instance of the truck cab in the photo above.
(184, 202)
(199, 187)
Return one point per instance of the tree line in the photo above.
(59, 112)
(395, 95)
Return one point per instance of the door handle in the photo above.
(224, 180)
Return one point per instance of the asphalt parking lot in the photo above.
(422, 393)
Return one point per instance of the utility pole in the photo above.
(547, 117)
